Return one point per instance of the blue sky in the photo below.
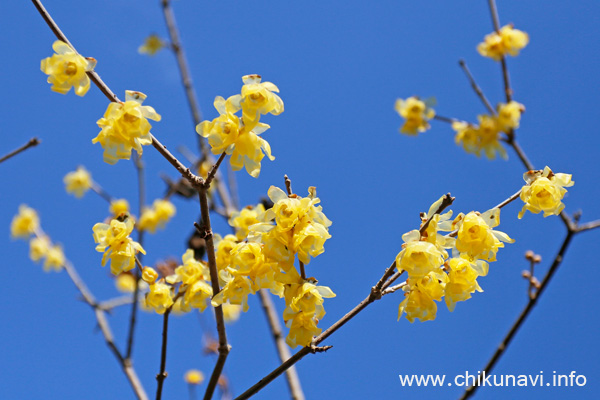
(340, 67)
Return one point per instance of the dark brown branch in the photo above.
(476, 87)
(213, 171)
(224, 347)
(588, 225)
(523, 316)
(282, 348)
(162, 375)
(31, 143)
(288, 185)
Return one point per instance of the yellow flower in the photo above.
(226, 134)
(55, 259)
(148, 220)
(159, 298)
(38, 248)
(231, 312)
(193, 377)
(476, 239)
(25, 223)
(507, 41)
(419, 302)
(309, 239)
(149, 275)
(152, 45)
(192, 269)
(223, 250)
(165, 210)
(125, 283)
(235, 291)
(196, 296)
(78, 182)
(509, 115)
(544, 191)
(419, 258)
(118, 207)
(484, 137)
(114, 241)
(125, 127)
(303, 327)
(303, 295)
(241, 220)
(416, 114)
(256, 98)
(67, 69)
(462, 281)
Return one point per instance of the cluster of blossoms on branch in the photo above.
(544, 191)
(432, 273)
(26, 225)
(507, 40)
(483, 137)
(262, 255)
(238, 137)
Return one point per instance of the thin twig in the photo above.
(510, 199)
(109, 305)
(288, 185)
(139, 167)
(31, 143)
(162, 375)
(522, 317)
(100, 314)
(588, 225)
(302, 271)
(445, 119)
(282, 348)
(213, 170)
(520, 153)
(476, 87)
(96, 188)
(184, 70)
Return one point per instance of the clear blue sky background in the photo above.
(340, 67)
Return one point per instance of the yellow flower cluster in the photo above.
(27, 224)
(157, 216)
(484, 137)
(78, 182)
(544, 191)
(238, 137)
(496, 45)
(114, 241)
(125, 127)
(416, 114)
(152, 45)
(118, 207)
(67, 69)
(294, 226)
(432, 274)
(191, 280)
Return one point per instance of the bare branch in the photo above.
(476, 87)
(31, 143)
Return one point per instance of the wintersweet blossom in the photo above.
(55, 259)
(197, 295)
(118, 207)
(78, 182)
(242, 220)
(125, 282)
(191, 270)
(235, 291)
(416, 114)
(38, 248)
(509, 115)
(508, 40)
(114, 241)
(419, 298)
(419, 258)
(544, 191)
(483, 138)
(223, 250)
(159, 297)
(67, 69)
(152, 45)
(149, 275)
(125, 127)
(462, 281)
(193, 377)
(25, 223)
(476, 238)
(256, 98)
(231, 312)
(303, 327)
